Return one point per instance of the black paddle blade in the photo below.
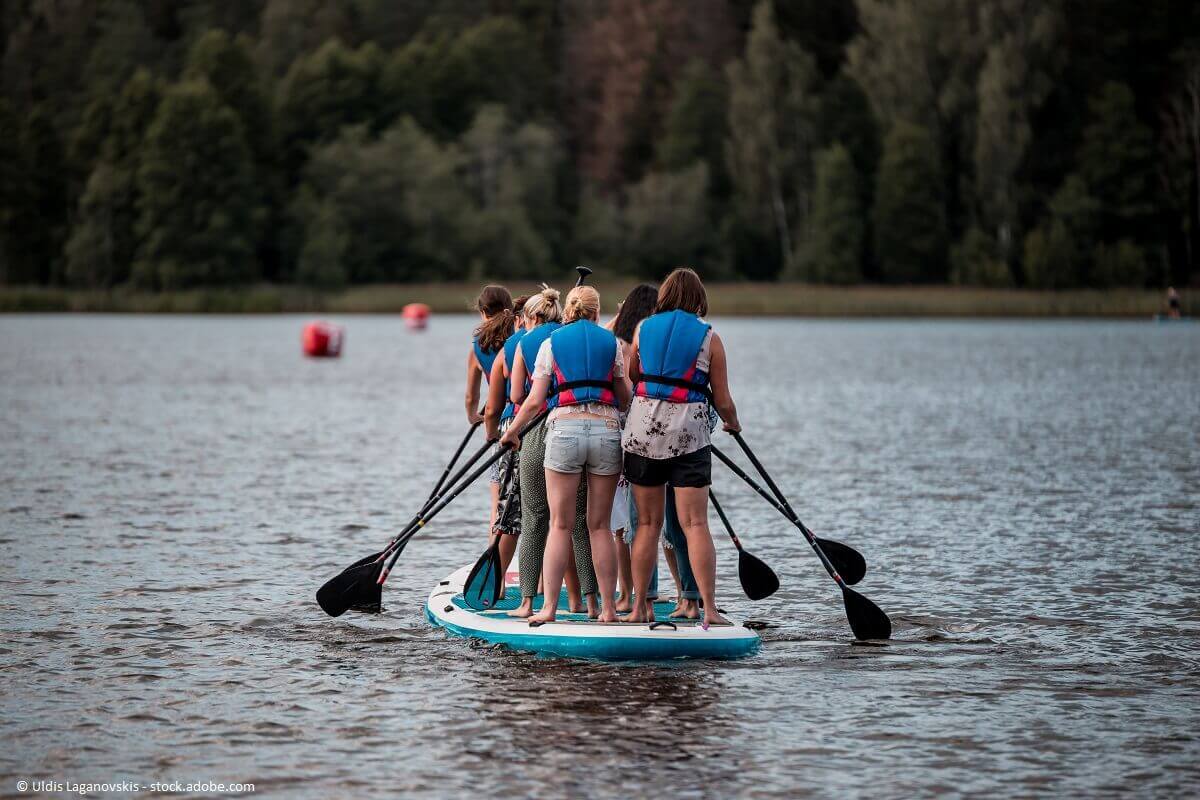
(482, 589)
(758, 580)
(845, 559)
(867, 620)
(355, 588)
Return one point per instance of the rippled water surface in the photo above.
(1027, 495)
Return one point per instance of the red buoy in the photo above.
(323, 339)
(416, 316)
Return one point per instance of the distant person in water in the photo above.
(1173, 311)
(678, 366)
(497, 322)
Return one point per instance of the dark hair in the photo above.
(519, 304)
(684, 290)
(495, 303)
(638, 305)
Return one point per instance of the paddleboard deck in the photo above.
(576, 636)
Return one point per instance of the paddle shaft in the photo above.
(425, 516)
(753, 484)
(453, 460)
(808, 535)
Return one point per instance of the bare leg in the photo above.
(669, 552)
(692, 505)
(649, 501)
(495, 490)
(508, 547)
(624, 574)
(574, 598)
(604, 556)
(560, 493)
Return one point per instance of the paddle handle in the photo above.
(808, 535)
(453, 460)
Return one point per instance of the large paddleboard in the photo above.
(575, 636)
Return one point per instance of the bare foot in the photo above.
(543, 616)
(593, 611)
(624, 604)
(575, 607)
(524, 610)
(686, 610)
(607, 615)
(713, 618)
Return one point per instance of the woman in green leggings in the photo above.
(543, 315)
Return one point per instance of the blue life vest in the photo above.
(530, 343)
(510, 355)
(584, 354)
(485, 358)
(668, 345)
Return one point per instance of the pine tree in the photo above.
(772, 109)
(196, 190)
(696, 126)
(909, 220)
(1116, 161)
(104, 242)
(834, 250)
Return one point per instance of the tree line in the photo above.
(166, 145)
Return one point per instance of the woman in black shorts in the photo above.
(677, 367)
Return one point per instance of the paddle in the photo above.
(357, 586)
(437, 486)
(849, 562)
(758, 580)
(485, 584)
(867, 620)
(447, 499)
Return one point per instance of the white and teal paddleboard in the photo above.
(575, 636)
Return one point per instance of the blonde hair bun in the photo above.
(549, 294)
(583, 302)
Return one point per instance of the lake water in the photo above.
(1027, 495)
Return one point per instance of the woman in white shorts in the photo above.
(580, 373)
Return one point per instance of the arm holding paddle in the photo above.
(531, 405)
(474, 374)
(517, 375)
(718, 382)
(495, 400)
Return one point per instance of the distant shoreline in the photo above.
(725, 299)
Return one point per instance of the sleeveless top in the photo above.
(660, 429)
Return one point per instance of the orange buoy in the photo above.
(323, 339)
(416, 316)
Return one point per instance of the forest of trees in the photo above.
(167, 144)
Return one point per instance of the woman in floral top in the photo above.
(678, 367)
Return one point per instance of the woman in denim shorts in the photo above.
(580, 373)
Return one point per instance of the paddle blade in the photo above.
(758, 580)
(482, 588)
(845, 559)
(355, 588)
(867, 620)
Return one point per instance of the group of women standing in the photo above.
(631, 408)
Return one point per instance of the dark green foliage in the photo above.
(1056, 251)
(103, 243)
(196, 190)
(837, 229)
(496, 61)
(323, 92)
(1053, 142)
(696, 126)
(910, 223)
(1116, 161)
